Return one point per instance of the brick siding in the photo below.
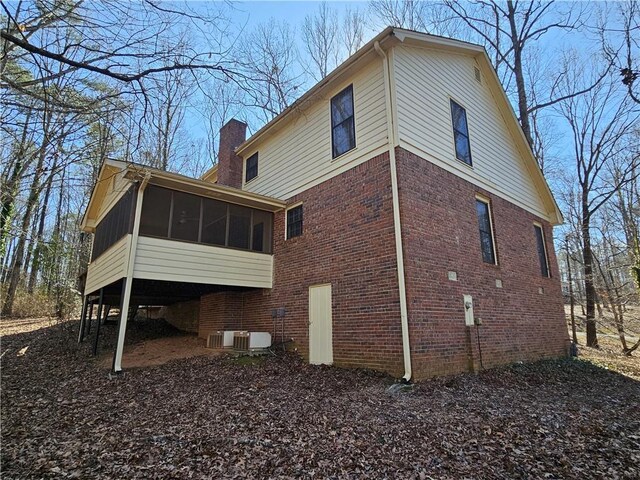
(440, 234)
(348, 241)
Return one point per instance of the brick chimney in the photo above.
(232, 134)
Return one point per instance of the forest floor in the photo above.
(64, 416)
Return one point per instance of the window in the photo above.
(460, 133)
(542, 251)
(486, 233)
(343, 128)
(294, 222)
(252, 167)
(156, 207)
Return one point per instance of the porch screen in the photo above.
(116, 224)
(187, 217)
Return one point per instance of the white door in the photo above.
(320, 325)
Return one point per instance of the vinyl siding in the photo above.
(298, 156)
(169, 260)
(117, 186)
(425, 81)
(110, 266)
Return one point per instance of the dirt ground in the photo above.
(64, 416)
(159, 351)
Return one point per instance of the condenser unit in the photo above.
(250, 341)
(221, 339)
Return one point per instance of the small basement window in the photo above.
(542, 251)
(460, 133)
(343, 127)
(252, 167)
(294, 222)
(486, 231)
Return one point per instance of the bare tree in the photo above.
(621, 44)
(601, 123)
(353, 23)
(320, 33)
(269, 59)
(409, 14)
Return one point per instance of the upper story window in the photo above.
(252, 167)
(542, 251)
(343, 126)
(460, 133)
(486, 231)
(294, 222)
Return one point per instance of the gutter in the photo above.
(397, 226)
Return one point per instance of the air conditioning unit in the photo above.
(250, 341)
(221, 339)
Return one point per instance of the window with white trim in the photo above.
(294, 222)
(460, 133)
(343, 126)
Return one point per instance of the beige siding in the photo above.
(425, 81)
(110, 266)
(299, 155)
(168, 260)
(116, 186)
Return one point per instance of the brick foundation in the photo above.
(183, 315)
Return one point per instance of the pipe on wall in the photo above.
(397, 226)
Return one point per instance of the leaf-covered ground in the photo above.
(213, 417)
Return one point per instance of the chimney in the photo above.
(232, 134)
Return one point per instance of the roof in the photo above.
(392, 36)
(134, 172)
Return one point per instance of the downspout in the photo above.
(124, 313)
(397, 227)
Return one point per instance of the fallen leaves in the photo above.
(206, 417)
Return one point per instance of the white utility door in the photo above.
(320, 325)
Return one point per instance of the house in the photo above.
(393, 218)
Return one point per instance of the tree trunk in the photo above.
(572, 302)
(33, 275)
(16, 271)
(523, 109)
(589, 287)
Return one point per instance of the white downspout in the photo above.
(397, 227)
(124, 313)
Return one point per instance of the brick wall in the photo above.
(348, 241)
(220, 311)
(440, 234)
(183, 315)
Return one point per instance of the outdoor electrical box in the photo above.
(468, 311)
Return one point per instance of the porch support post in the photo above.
(128, 280)
(83, 318)
(95, 342)
(90, 317)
